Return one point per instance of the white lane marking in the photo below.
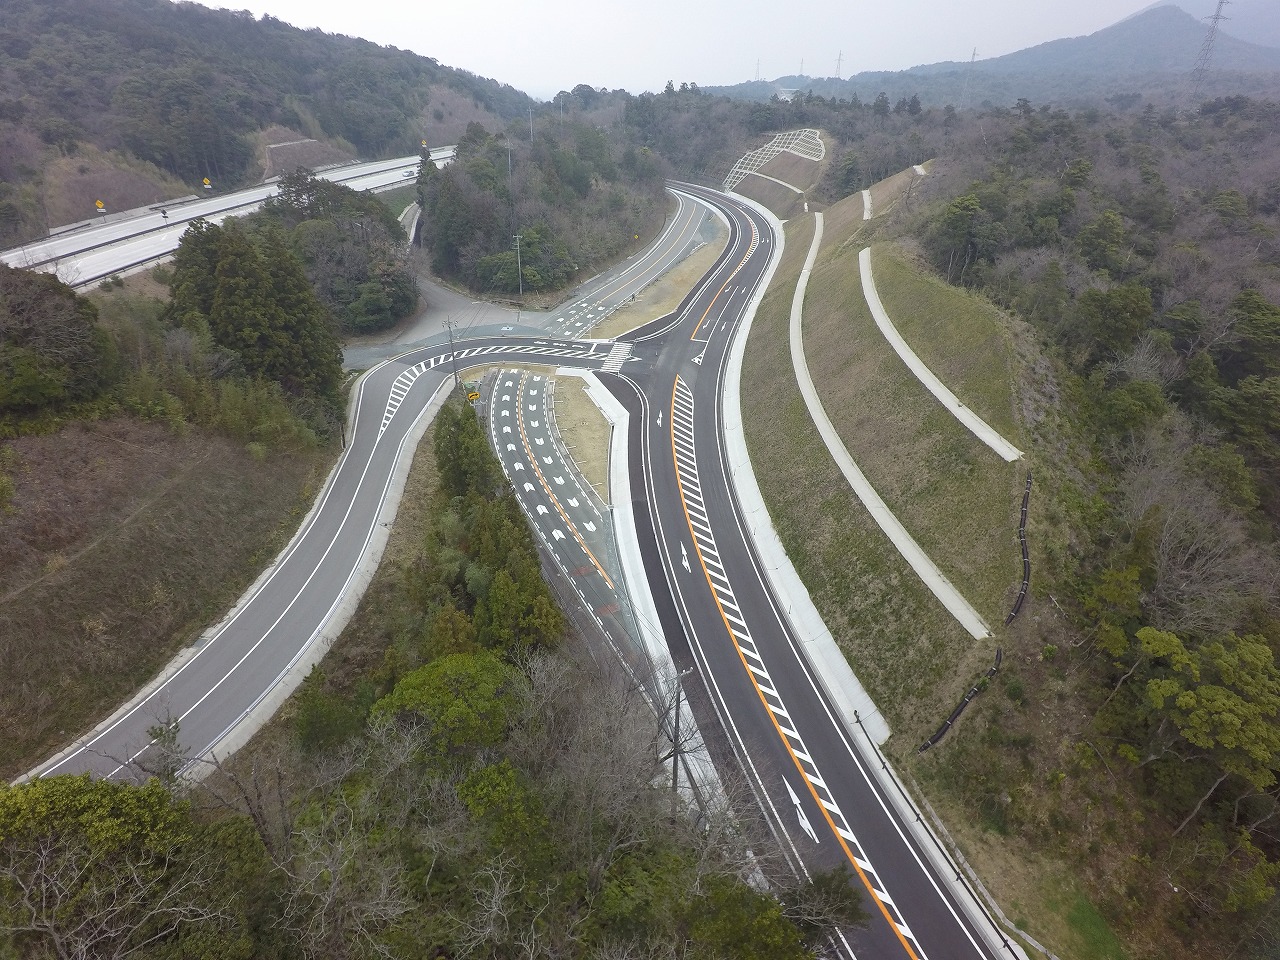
(805, 825)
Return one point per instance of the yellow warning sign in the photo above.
(99, 204)
(473, 396)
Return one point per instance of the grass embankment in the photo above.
(585, 432)
(961, 503)
(913, 658)
(955, 496)
(125, 539)
(790, 168)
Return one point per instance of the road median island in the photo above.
(664, 294)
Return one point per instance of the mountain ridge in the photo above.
(1162, 41)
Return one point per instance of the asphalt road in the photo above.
(812, 777)
(230, 677)
(223, 679)
(753, 692)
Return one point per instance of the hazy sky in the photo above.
(543, 46)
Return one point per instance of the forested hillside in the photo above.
(1143, 249)
(184, 88)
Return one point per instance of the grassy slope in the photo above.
(125, 540)
(958, 499)
(904, 647)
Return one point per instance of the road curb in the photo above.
(827, 661)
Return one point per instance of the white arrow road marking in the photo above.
(506, 396)
(534, 423)
(536, 379)
(532, 408)
(559, 480)
(506, 429)
(538, 441)
(698, 358)
(572, 501)
(804, 821)
(590, 526)
(684, 554)
(508, 384)
(506, 413)
(533, 393)
(517, 466)
(546, 460)
(528, 488)
(659, 418)
(541, 510)
(511, 448)
(556, 534)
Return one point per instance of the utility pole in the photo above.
(531, 124)
(449, 325)
(519, 268)
(1201, 70)
(675, 742)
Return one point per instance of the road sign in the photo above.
(99, 204)
(207, 184)
(473, 396)
(424, 143)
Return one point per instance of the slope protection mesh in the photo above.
(803, 143)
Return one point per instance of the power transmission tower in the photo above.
(839, 60)
(1201, 70)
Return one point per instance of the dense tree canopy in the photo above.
(252, 296)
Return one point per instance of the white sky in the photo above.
(543, 46)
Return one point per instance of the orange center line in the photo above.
(786, 743)
(726, 283)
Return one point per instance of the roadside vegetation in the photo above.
(479, 788)
(1132, 739)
